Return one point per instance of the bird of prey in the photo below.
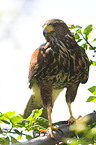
(57, 64)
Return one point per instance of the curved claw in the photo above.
(49, 129)
(60, 130)
(72, 119)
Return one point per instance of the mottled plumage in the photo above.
(56, 64)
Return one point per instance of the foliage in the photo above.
(83, 38)
(14, 127)
(93, 91)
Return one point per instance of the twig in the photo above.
(87, 41)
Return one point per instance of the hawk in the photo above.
(57, 64)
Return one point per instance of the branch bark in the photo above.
(63, 133)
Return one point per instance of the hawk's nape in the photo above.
(57, 64)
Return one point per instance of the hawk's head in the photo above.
(55, 29)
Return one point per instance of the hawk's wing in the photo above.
(40, 61)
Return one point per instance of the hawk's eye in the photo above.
(54, 25)
(52, 32)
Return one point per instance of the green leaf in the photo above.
(88, 29)
(36, 133)
(1, 131)
(7, 122)
(2, 117)
(9, 114)
(93, 48)
(93, 40)
(85, 46)
(13, 140)
(72, 26)
(19, 137)
(16, 119)
(77, 26)
(91, 99)
(78, 30)
(17, 131)
(28, 137)
(6, 116)
(87, 36)
(36, 112)
(90, 48)
(77, 36)
(93, 90)
(79, 40)
(94, 63)
(42, 122)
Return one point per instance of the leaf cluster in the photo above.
(14, 127)
(93, 91)
(82, 37)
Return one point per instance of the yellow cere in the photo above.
(49, 28)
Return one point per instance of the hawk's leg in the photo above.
(72, 119)
(46, 95)
(70, 96)
(50, 128)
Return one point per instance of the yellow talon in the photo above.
(49, 129)
(72, 119)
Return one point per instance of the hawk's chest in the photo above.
(60, 69)
(65, 71)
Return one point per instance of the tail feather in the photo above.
(31, 105)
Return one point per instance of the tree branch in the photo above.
(87, 41)
(63, 133)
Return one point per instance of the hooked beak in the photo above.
(45, 32)
(47, 29)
